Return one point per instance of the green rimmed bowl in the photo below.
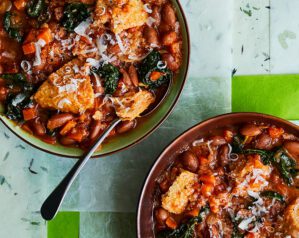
(145, 126)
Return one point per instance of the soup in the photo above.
(66, 65)
(241, 182)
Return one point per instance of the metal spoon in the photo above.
(52, 204)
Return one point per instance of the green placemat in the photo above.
(65, 225)
(277, 95)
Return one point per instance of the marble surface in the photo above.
(252, 37)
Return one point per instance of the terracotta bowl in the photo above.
(206, 128)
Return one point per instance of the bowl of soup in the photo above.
(235, 175)
(65, 65)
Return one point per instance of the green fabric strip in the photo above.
(276, 95)
(65, 225)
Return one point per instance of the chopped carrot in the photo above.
(210, 179)
(194, 212)
(29, 48)
(46, 35)
(77, 134)
(20, 4)
(250, 235)
(155, 75)
(67, 127)
(275, 132)
(29, 113)
(207, 189)
(31, 36)
(171, 223)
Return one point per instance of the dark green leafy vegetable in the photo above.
(13, 31)
(186, 230)
(266, 156)
(111, 76)
(272, 194)
(17, 80)
(15, 103)
(285, 165)
(151, 64)
(74, 14)
(237, 145)
(35, 8)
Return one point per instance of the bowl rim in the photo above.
(154, 165)
(188, 46)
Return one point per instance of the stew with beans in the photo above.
(243, 182)
(65, 66)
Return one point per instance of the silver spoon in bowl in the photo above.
(52, 204)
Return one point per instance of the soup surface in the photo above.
(65, 66)
(242, 182)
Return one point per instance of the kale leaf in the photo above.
(73, 15)
(15, 103)
(186, 230)
(272, 194)
(111, 76)
(13, 31)
(35, 8)
(150, 65)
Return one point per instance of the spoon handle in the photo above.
(52, 204)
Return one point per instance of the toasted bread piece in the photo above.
(130, 15)
(131, 105)
(122, 14)
(67, 90)
(291, 219)
(179, 194)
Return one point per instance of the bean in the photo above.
(161, 215)
(67, 141)
(217, 140)
(168, 15)
(170, 60)
(59, 120)
(292, 147)
(37, 127)
(250, 130)
(164, 27)
(97, 87)
(151, 36)
(5, 5)
(263, 142)
(223, 155)
(133, 75)
(96, 128)
(126, 77)
(48, 139)
(190, 161)
(125, 126)
(156, 15)
(169, 38)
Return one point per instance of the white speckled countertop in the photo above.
(251, 36)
